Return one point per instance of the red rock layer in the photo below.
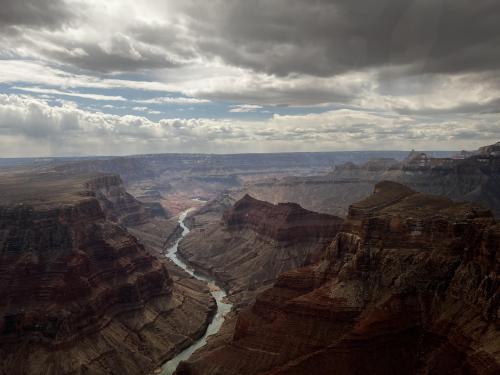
(69, 256)
(282, 222)
(410, 286)
(255, 242)
(79, 293)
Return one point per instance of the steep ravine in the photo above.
(219, 294)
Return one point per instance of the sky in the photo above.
(230, 76)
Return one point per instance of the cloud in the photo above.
(433, 95)
(20, 71)
(30, 124)
(281, 37)
(326, 37)
(418, 67)
(243, 108)
(173, 100)
(48, 14)
(119, 53)
(39, 90)
(218, 82)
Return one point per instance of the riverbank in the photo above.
(218, 293)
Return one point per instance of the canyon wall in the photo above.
(254, 242)
(120, 206)
(78, 292)
(474, 179)
(175, 179)
(410, 285)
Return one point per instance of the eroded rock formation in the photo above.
(409, 286)
(254, 242)
(120, 206)
(474, 178)
(174, 179)
(78, 292)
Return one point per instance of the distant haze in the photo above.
(226, 76)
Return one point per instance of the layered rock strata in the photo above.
(254, 242)
(409, 286)
(120, 206)
(79, 293)
(474, 178)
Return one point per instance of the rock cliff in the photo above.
(78, 292)
(175, 179)
(409, 286)
(475, 178)
(120, 206)
(254, 242)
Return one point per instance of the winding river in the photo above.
(223, 308)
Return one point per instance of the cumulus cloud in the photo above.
(45, 130)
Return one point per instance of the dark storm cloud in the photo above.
(119, 55)
(412, 57)
(316, 37)
(48, 14)
(330, 37)
(165, 36)
(284, 97)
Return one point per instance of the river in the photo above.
(223, 308)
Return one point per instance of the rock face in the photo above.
(175, 179)
(475, 178)
(118, 205)
(409, 286)
(285, 222)
(146, 221)
(256, 241)
(326, 194)
(79, 293)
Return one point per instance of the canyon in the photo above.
(408, 286)
(254, 242)
(80, 293)
(174, 179)
(472, 177)
(323, 259)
